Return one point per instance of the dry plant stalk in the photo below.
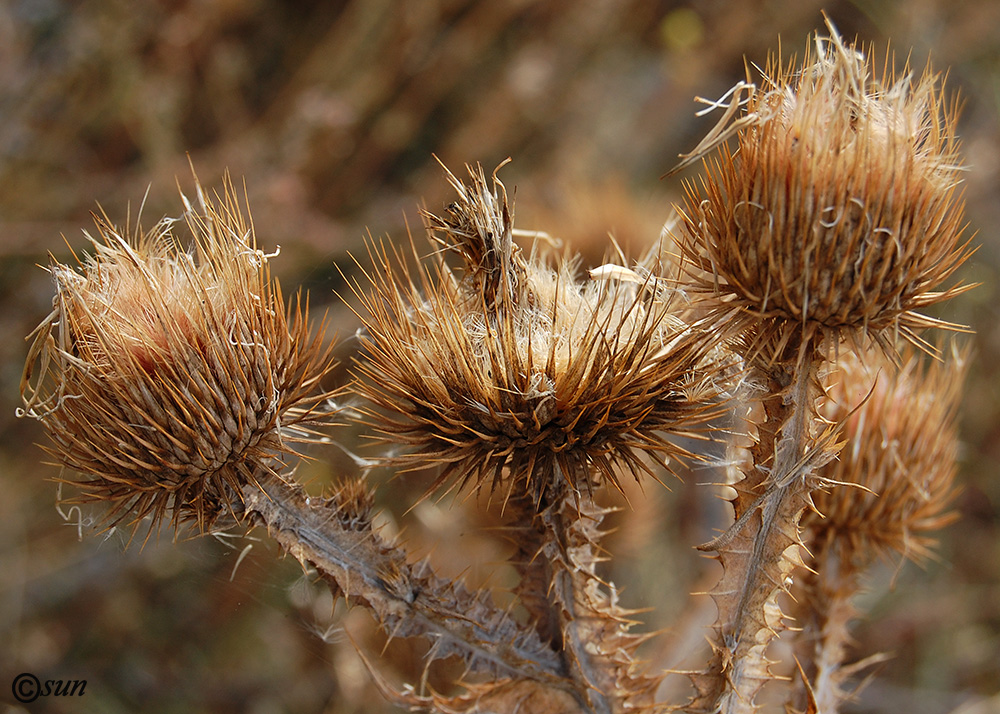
(175, 383)
(833, 220)
(515, 378)
(899, 474)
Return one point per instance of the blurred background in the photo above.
(331, 111)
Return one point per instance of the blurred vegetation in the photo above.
(332, 112)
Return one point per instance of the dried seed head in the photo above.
(837, 212)
(514, 373)
(901, 445)
(167, 378)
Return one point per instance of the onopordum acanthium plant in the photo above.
(177, 383)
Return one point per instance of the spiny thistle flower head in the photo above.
(166, 378)
(511, 372)
(898, 464)
(837, 211)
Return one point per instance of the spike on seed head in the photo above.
(838, 211)
(511, 374)
(167, 379)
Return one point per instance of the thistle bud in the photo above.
(168, 378)
(837, 212)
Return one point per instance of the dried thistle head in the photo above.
(165, 378)
(511, 373)
(900, 453)
(837, 212)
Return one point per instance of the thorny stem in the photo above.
(534, 568)
(824, 613)
(562, 592)
(796, 454)
(408, 599)
(755, 550)
(573, 588)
